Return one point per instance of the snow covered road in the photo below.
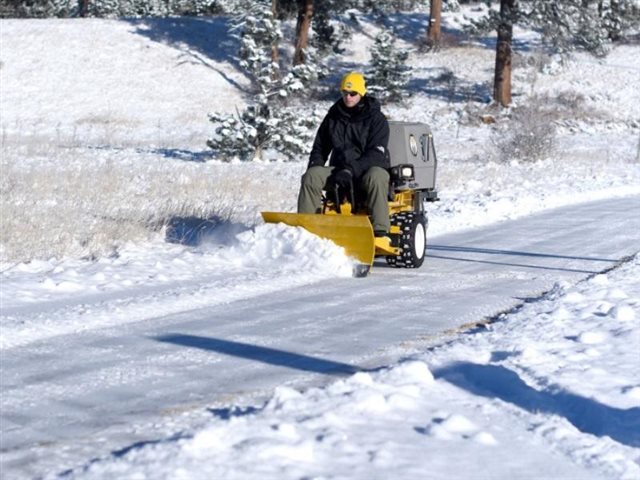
(82, 393)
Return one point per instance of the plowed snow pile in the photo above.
(140, 282)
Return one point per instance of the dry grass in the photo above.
(528, 132)
(88, 202)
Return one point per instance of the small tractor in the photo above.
(344, 219)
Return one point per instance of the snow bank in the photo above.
(141, 283)
(560, 373)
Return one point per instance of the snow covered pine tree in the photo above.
(268, 122)
(389, 74)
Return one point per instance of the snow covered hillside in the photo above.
(131, 348)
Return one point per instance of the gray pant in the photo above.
(375, 183)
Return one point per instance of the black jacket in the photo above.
(356, 138)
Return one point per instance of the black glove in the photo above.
(343, 178)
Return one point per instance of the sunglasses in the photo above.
(350, 94)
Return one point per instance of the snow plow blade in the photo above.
(354, 233)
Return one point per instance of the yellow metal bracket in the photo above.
(383, 246)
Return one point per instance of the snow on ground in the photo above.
(77, 113)
(107, 119)
(266, 259)
(114, 81)
(561, 372)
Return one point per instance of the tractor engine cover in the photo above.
(412, 144)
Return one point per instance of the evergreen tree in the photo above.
(571, 24)
(567, 25)
(389, 74)
(618, 17)
(328, 34)
(269, 122)
(111, 8)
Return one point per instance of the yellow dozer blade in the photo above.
(354, 233)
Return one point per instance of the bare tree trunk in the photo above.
(614, 33)
(305, 12)
(435, 21)
(275, 54)
(84, 8)
(502, 78)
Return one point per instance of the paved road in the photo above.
(76, 397)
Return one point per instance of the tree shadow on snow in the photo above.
(181, 154)
(487, 251)
(271, 356)
(517, 44)
(450, 88)
(199, 156)
(412, 26)
(202, 40)
(232, 412)
(194, 231)
(122, 452)
(491, 251)
(587, 415)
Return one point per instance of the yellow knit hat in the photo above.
(353, 82)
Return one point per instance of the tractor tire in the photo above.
(413, 240)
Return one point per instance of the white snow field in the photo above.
(130, 350)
